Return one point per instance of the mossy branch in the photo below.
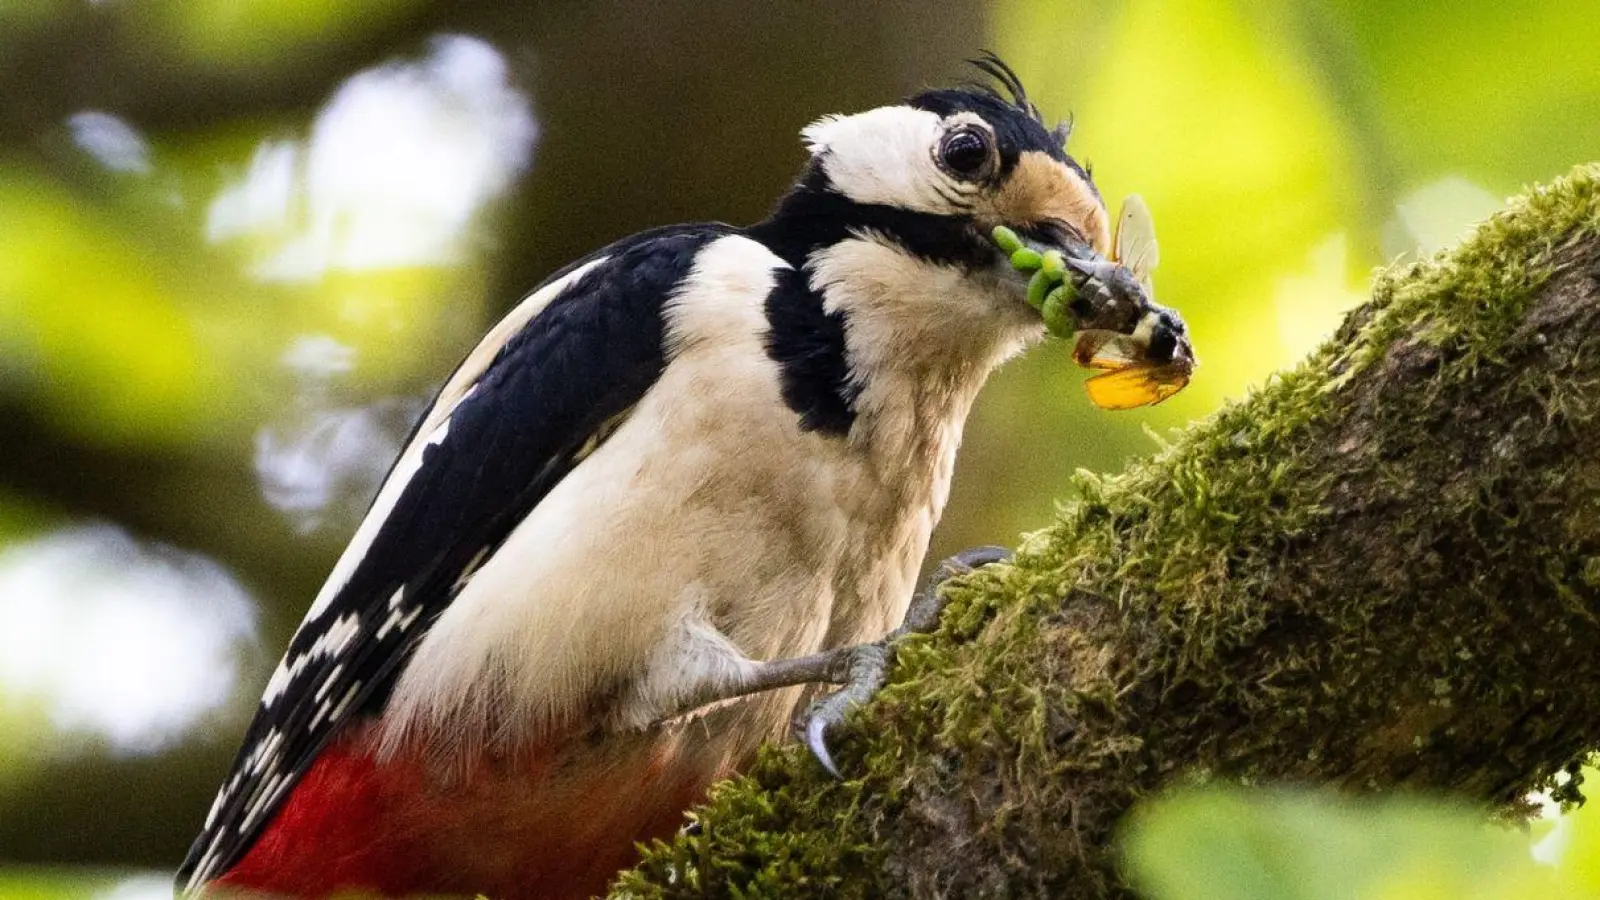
(1381, 569)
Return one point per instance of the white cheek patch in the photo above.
(885, 156)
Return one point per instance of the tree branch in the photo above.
(1381, 569)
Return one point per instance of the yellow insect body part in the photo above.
(1135, 386)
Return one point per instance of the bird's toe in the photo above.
(867, 666)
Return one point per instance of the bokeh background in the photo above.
(241, 241)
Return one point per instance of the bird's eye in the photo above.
(965, 152)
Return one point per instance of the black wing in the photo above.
(554, 388)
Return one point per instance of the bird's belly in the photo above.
(728, 521)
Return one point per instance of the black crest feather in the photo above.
(1005, 85)
(993, 66)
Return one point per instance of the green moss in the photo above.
(1364, 572)
(746, 849)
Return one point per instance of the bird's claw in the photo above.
(817, 726)
(864, 668)
(922, 616)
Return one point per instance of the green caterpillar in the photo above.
(1049, 291)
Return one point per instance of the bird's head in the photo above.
(907, 198)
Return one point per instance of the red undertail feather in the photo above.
(533, 830)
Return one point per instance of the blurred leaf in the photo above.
(51, 884)
(88, 313)
(1212, 844)
(240, 33)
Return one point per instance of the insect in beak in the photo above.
(1107, 305)
(1155, 360)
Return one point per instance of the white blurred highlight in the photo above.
(127, 642)
(326, 463)
(139, 887)
(320, 462)
(1312, 302)
(400, 161)
(1439, 214)
(111, 141)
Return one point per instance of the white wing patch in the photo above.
(400, 615)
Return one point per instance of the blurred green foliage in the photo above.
(245, 34)
(27, 884)
(99, 322)
(1285, 147)
(1216, 844)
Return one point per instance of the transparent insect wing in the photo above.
(1100, 349)
(1135, 243)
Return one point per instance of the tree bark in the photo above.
(1382, 569)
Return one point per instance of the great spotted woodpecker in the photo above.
(686, 475)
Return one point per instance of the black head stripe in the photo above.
(814, 215)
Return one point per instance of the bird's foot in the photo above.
(922, 616)
(862, 669)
